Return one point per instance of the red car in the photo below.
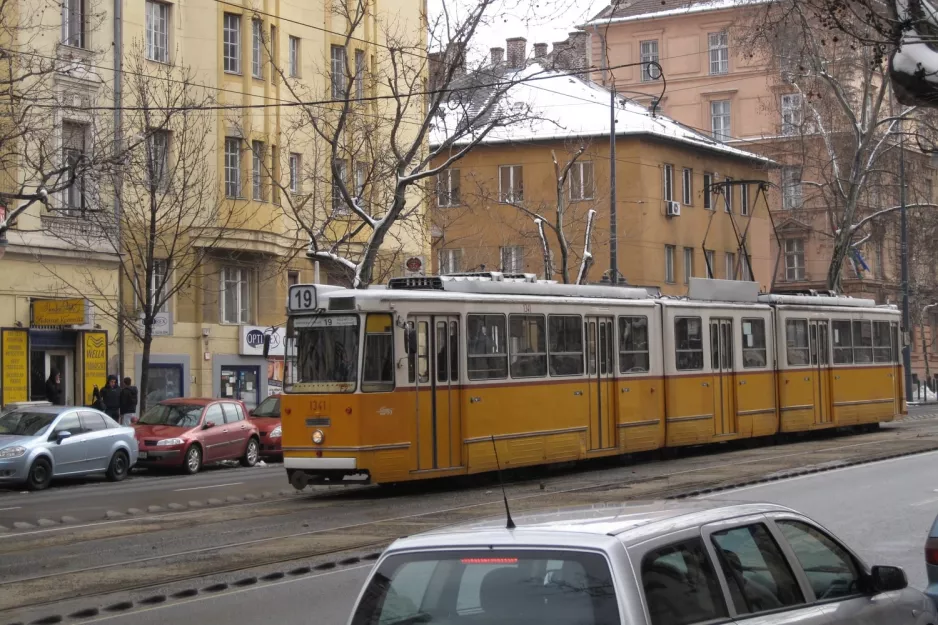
(267, 419)
(190, 432)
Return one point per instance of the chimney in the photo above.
(435, 66)
(498, 54)
(540, 50)
(560, 54)
(579, 51)
(517, 52)
(456, 55)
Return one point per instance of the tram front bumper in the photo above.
(305, 471)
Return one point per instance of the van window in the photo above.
(796, 341)
(843, 345)
(566, 345)
(633, 344)
(753, 337)
(488, 349)
(688, 343)
(680, 585)
(528, 347)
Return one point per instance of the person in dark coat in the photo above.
(108, 399)
(128, 402)
(54, 388)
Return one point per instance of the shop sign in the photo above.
(162, 324)
(252, 341)
(14, 360)
(414, 266)
(94, 362)
(59, 312)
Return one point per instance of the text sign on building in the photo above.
(252, 341)
(59, 312)
(94, 362)
(14, 360)
(162, 324)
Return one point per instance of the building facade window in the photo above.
(257, 48)
(792, 114)
(339, 176)
(649, 52)
(744, 268)
(688, 264)
(669, 264)
(728, 195)
(720, 119)
(361, 179)
(450, 261)
(293, 49)
(236, 295)
(794, 259)
(293, 278)
(157, 31)
(730, 266)
(744, 200)
(159, 287)
(791, 188)
(668, 174)
(233, 167)
(159, 158)
(447, 188)
(687, 186)
(73, 23)
(359, 74)
(512, 258)
(231, 43)
(510, 183)
(718, 45)
(257, 169)
(73, 155)
(295, 172)
(708, 191)
(708, 255)
(581, 181)
(338, 73)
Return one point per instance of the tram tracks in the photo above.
(642, 481)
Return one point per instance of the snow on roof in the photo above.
(563, 106)
(651, 9)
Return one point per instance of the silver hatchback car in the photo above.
(38, 443)
(650, 564)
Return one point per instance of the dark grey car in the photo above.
(38, 443)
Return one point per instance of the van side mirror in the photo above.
(888, 578)
(266, 345)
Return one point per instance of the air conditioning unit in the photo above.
(672, 208)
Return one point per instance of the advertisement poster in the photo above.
(15, 365)
(274, 377)
(94, 362)
(59, 312)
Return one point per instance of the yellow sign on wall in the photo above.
(94, 358)
(14, 361)
(58, 312)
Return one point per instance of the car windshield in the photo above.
(491, 587)
(25, 423)
(323, 354)
(270, 407)
(180, 415)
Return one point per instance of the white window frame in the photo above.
(157, 31)
(450, 260)
(648, 50)
(360, 172)
(257, 49)
(579, 189)
(159, 145)
(233, 167)
(727, 195)
(160, 268)
(514, 172)
(514, 255)
(258, 151)
(293, 46)
(241, 277)
(339, 61)
(360, 74)
(668, 174)
(669, 263)
(295, 165)
(721, 119)
(687, 186)
(445, 198)
(744, 200)
(792, 114)
(339, 207)
(710, 259)
(745, 274)
(74, 29)
(729, 265)
(792, 191)
(708, 178)
(794, 260)
(718, 46)
(231, 43)
(74, 198)
(688, 264)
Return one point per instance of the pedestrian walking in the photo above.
(54, 388)
(128, 403)
(108, 399)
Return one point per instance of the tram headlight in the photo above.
(318, 437)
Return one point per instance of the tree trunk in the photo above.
(366, 268)
(838, 256)
(144, 381)
(925, 356)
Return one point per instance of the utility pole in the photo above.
(613, 234)
(904, 259)
(118, 179)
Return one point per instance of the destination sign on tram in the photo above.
(302, 298)
(325, 322)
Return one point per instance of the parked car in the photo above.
(651, 564)
(931, 563)
(187, 433)
(266, 416)
(39, 443)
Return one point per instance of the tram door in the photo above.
(438, 409)
(724, 377)
(600, 369)
(820, 344)
(898, 376)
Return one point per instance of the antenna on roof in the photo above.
(511, 524)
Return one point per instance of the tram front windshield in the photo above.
(323, 353)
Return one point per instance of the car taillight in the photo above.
(931, 551)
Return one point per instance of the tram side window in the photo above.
(862, 341)
(633, 344)
(882, 345)
(565, 336)
(688, 342)
(528, 346)
(754, 352)
(378, 367)
(843, 345)
(488, 351)
(796, 339)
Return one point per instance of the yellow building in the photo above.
(674, 210)
(233, 67)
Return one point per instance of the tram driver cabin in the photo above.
(414, 380)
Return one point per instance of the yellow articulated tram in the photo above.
(414, 380)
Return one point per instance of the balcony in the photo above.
(79, 231)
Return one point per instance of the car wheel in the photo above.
(119, 467)
(249, 459)
(40, 475)
(193, 463)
